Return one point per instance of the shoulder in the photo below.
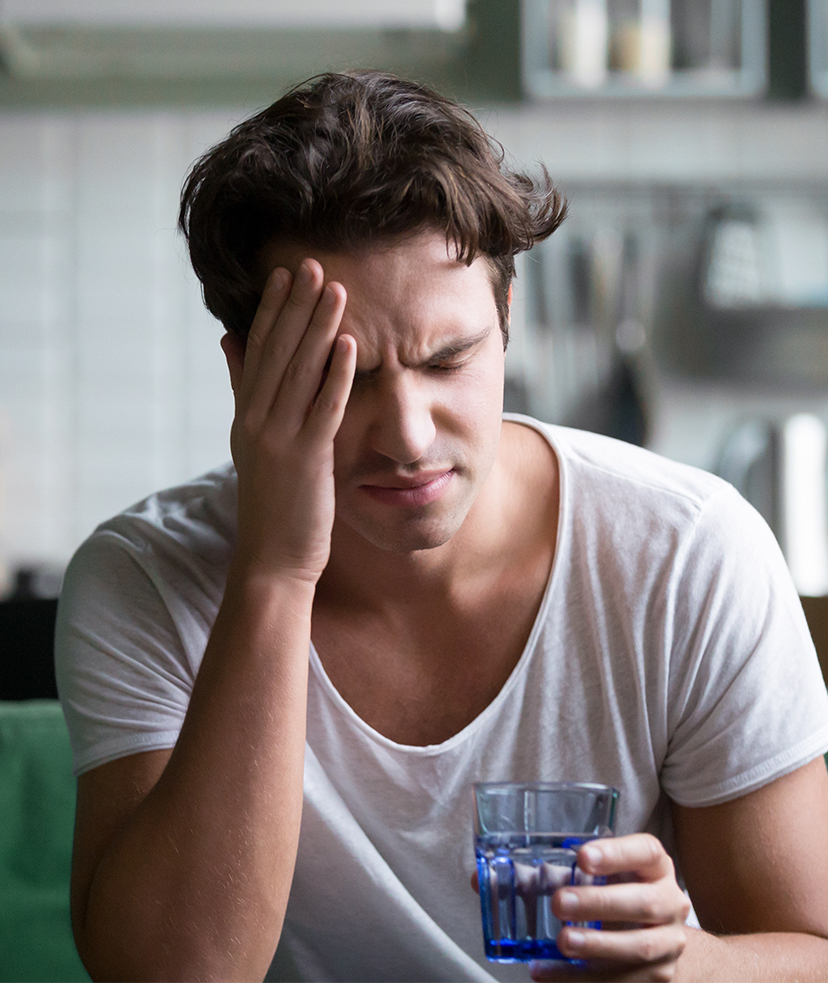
(630, 518)
(196, 518)
(605, 460)
(609, 475)
(141, 592)
(173, 545)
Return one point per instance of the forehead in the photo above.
(413, 286)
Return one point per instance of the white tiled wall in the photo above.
(112, 382)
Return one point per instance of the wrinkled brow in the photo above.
(446, 352)
(454, 348)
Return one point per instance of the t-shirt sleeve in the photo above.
(123, 675)
(746, 699)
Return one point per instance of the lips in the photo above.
(409, 490)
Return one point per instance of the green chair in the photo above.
(37, 806)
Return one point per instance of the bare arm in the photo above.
(757, 870)
(183, 860)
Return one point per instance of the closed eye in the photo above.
(451, 358)
(447, 366)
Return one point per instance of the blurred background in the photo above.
(683, 305)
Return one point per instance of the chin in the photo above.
(406, 541)
(412, 536)
(413, 544)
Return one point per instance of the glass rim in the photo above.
(593, 787)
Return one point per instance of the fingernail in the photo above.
(592, 854)
(568, 902)
(575, 940)
(304, 274)
(278, 280)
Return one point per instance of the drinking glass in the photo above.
(527, 836)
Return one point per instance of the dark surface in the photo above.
(816, 614)
(787, 50)
(617, 410)
(27, 637)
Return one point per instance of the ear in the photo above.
(509, 300)
(233, 347)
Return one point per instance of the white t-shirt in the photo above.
(670, 657)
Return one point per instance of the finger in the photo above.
(328, 408)
(645, 945)
(306, 374)
(284, 336)
(646, 903)
(640, 854)
(273, 299)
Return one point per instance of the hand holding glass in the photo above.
(526, 839)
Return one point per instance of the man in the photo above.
(281, 679)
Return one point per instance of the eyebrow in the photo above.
(449, 351)
(455, 348)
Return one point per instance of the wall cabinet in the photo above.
(644, 47)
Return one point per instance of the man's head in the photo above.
(351, 161)
(421, 430)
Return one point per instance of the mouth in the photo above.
(410, 490)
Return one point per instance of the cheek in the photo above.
(346, 439)
(483, 388)
(476, 404)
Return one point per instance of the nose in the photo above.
(403, 426)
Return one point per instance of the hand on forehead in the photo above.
(411, 296)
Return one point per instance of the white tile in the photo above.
(60, 158)
(205, 454)
(108, 485)
(577, 144)
(58, 286)
(22, 278)
(23, 541)
(116, 254)
(22, 374)
(789, 144)
(25, 436)
(22, 510)
(21, 162)
(118, 475)
(105, 355)
(207, 372)
(116, 164)
(117, 422)
(672, 147)
(203, 130)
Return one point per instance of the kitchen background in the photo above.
(683, 305)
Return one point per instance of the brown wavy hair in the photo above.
(345, 161)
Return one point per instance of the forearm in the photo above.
(188, 874)
(196, 883)
(772, 957)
